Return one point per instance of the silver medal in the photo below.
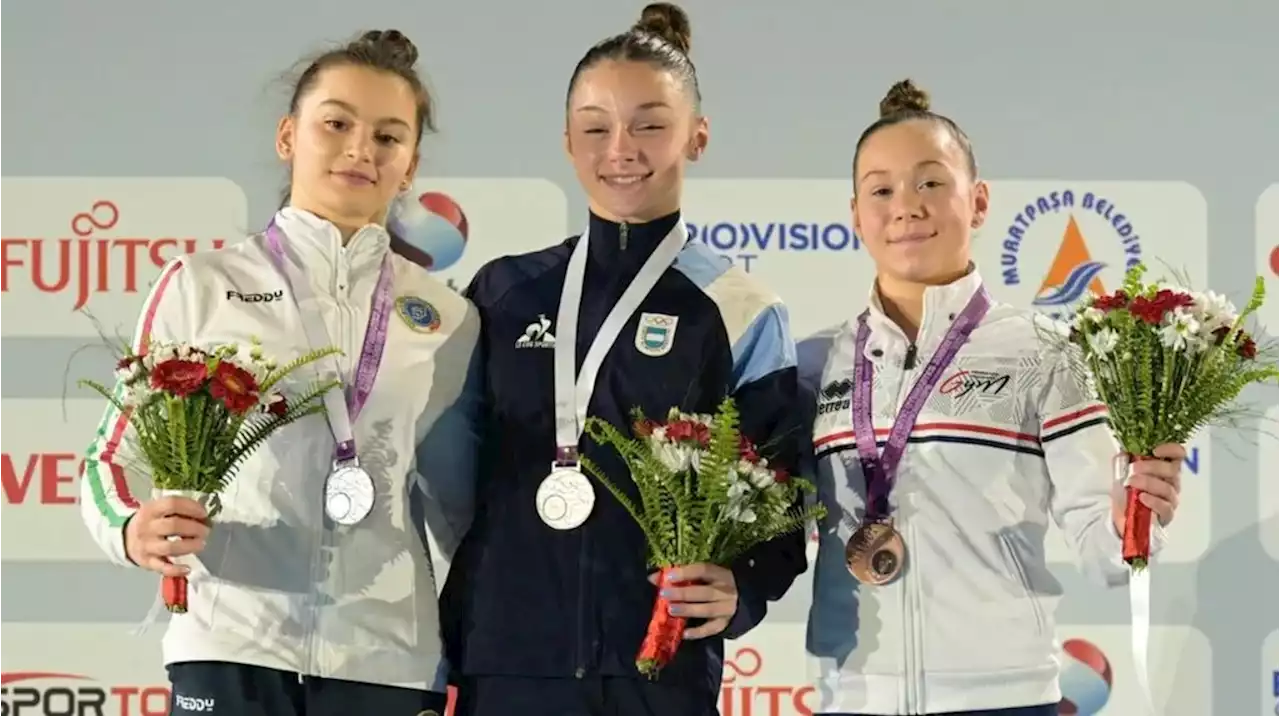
(565, 498)
(348, 494)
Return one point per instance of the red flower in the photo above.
(1152, 310)
(235, 387)
(702, 434)
(179, 377)
(1248, 349)
(747, 451)
(1119, 299)
(679, 430)
(688, 431)
(644, 428)
(277, 406)
(780, 476)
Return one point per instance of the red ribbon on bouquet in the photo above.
(665, 632)
(174, 590)
(1136, 540)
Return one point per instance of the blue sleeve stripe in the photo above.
(765, 347)
(700, 264)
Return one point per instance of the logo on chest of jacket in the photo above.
(537, 334)
(418, 314)
(980, 383)
(835, 396)
(655, 334)
(268, 297)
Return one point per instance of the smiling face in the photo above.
(631, 128)
(915, 204)
(351, 144)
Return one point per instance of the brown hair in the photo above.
(385, 50)
(661, 37)
(905, 102)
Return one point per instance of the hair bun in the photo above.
(902, 97)
(392, 45)
(667, 21)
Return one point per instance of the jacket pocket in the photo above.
(1020, 573)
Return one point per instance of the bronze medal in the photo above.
(875, 554)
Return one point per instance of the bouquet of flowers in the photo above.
(198, 413)
(706, 495)
(1166, 362)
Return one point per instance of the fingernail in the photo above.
(665, 593)
(675, 609)
(672, 576)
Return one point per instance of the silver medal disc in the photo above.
(565, 498)
(348, 494)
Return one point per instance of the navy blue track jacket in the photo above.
(523, 599)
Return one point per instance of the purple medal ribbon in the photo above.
(341, 414)
(881, 470)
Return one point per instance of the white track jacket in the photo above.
(279, 584)
(1008, 438)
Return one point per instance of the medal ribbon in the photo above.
(572, 397)
(339, 411)
(881, 470)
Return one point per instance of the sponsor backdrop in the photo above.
(126, 160)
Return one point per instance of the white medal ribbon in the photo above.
(572, 397)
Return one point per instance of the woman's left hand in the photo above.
(713, 595)
(1159, 481)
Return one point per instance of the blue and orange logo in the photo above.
(1085, 679)
(432, 230)
(1074, 273)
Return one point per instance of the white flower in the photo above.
(744, 515)
(672, 456)
(695, 458)
(1104, 341)
(761, 478)
(136, 394)
(130, 372)
(1180, 331)
(1213, 311)
(678, 458)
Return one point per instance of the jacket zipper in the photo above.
(909, 601)
(909, 362)
(341, 292)
(579, 656)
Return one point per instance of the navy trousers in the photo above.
(215, 688)
(1045, 710)
(591, 696)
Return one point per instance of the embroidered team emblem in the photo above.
(418, 314)
(655, 334)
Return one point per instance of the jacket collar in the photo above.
(608, 248)
(317, 243)
(942, 305)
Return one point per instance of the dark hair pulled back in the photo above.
(905, 102)
(661, 37)
(385, 50)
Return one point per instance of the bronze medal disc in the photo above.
(875, 553)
